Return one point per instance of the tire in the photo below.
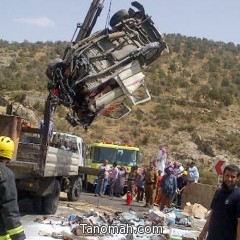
(75, 191)
(118, 17)
(37, 204)
(50, 202)
(90, 187)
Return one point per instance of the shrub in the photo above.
(19, 97)
(225, 82)
(145, 139)
(39, 106)
(207, 177)
(187, 127)
(61, 111)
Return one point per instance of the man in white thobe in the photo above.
(161, 159)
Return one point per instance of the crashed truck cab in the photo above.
(102, 73)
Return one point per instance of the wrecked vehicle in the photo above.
(101, 74)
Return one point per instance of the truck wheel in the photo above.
(75, 190)
(37, 204)
(118, 17)
(50, 202)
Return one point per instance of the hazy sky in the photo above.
(53, 20)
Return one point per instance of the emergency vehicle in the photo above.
(123, 154)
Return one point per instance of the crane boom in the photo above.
(86, 27)
(90, 20)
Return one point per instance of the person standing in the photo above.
(177, 169)
(140, 182)
(150, 185)
(181, 184)
(10, 224)
(193, 173)
(168, 187)
(161, 159)
(131, 181)
(223, 222)
(158, 197)
(113, 177)
(102, 179)
(119, 186)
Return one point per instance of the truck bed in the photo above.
(31, 162)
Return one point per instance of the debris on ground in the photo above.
(171, 223)
(196, 210)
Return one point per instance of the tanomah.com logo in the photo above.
(120, 229)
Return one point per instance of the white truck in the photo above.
(43, 170)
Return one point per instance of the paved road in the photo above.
(116, 203)
(89, 200)
(65, 209)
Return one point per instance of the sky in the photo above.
(56, 20)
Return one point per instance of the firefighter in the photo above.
(10, 225)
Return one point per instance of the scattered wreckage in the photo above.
(101, 74)
(151, 225)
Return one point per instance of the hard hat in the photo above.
(6, 147)
(184, 173)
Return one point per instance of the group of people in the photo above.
(172, 179)
(160, 188)
(114, 176)
(161, 164)
(157, 187)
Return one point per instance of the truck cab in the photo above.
(76, 145)
(123, 154)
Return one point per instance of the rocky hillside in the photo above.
(194, 109)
